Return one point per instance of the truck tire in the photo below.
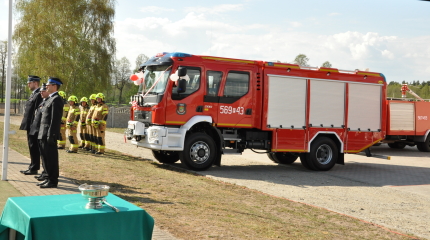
(323, 154)
(269, 155)
(397, 145)
(166, 156)
(199, 152)
(284, 157)
(424, 146)
(304, 159)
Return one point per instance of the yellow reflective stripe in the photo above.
(175, 122)
(101, 146)
(369, 74)
(228, 60)
(104, 112)
(102, 121)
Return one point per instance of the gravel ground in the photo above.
(393, 193)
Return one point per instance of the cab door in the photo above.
(211, 98)
(181, 107)
(236, 99)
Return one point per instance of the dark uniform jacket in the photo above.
(35, 125)
(31, 105)
(51, 119)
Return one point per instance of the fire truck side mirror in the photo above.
(182, 86)
(182, 71)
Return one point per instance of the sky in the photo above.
(387, 36)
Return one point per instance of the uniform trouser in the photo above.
(62, 138)
(91, 138)
(83, 133)
(50, 160)
(73, 138)
(88, 136)
(34, 152)
(100, 138)
(44, 173)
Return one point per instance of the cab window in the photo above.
(236, 85)
(213, 81)
(193, 84)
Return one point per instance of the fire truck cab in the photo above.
(198, 108)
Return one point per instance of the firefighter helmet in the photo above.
(101, 96)
(93, 96)
(62, 94)
(73, 99)
(84, 99)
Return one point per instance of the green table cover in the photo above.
(61, 217)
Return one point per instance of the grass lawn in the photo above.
(7, 191)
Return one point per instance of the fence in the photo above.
(117, 118)
(15, 108)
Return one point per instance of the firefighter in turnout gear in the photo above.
(83, 130)
(99, 122)
(61, 142)
(90, 144)
(72, 124)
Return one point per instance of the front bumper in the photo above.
(155, 137)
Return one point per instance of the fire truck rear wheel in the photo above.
(323, 154)
(397, 145)
(284, 157)
(199, 152)
(166, 156)
(424, 146)
(304, 159)
(269, 155)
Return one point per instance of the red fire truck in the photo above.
(196, 108)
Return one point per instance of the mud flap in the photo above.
(341, 159)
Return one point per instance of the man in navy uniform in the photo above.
(30, 106)
(35, 126)
(49, 132)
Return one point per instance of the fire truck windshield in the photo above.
(156, 78)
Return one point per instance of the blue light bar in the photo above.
(179, 54)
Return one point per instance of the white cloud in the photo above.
(216, 9)
(155, 9)
(334, 14)
(295, 24)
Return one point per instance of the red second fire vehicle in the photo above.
(197, 108)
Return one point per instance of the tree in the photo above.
(326, 64)
(301, 60)
(72, 40)
(141, 59)
(3, 56)
(122, 73)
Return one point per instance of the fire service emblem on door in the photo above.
(181, 108)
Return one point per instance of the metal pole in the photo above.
(7, 102)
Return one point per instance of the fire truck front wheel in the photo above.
(165, 156)
(323, 154)
(199, 152)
